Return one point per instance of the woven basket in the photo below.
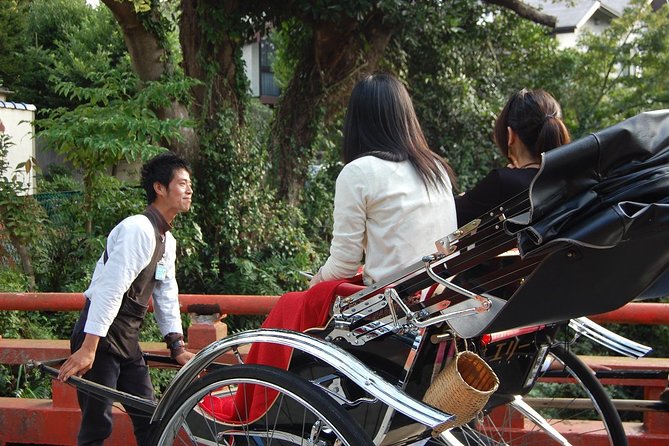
(462, 389)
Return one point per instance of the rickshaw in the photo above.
(455, 349)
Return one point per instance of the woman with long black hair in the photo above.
(393, 198)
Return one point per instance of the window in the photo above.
(269, 91)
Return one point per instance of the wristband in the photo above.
(175, 342)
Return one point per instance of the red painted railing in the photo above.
(633, 313)
(55, 422)
(190, 303)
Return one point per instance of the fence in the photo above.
(56, 421)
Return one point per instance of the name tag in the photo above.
(161, 270)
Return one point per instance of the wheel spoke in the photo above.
(252, 405)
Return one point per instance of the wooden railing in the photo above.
(56, 421)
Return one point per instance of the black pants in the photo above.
(127, 375)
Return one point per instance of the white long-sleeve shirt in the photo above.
(382, 210)
(130, 246)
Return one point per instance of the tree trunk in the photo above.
(320, 86)
(213, 61)
(26, 262)
(150, 62)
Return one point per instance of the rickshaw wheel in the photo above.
(586, 398)
(299, 412)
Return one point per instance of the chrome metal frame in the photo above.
(619, 344)
(400, 319)
(341, 360)
(348, 310)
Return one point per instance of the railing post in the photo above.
(205, 329)
(654, 422)
(63, 395)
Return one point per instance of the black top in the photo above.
(497, 187)
(598, 222)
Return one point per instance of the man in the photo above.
(139, 260)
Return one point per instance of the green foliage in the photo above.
(13, 24)
(74, 252)
(460, 64)
(251, 242)
(17, 382)
(92, 45)
(58, 40)
(21, 217)
(50, 21)
(620, 72)
(142, 5)
(30, 324)
(14, 380)
(162, 19)
(12, 281)
(115, 122)
(288, 38)
(114, 201)
(318, 203)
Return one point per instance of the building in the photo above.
(577, 16)
(258, 56)
(18, 119)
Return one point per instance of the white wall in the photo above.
(18, 119)
(251, 56)
(596, 24)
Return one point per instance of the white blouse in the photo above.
(384, 213)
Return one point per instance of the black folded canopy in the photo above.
(599, 212)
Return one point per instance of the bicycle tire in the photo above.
(496, 431)
(605, 407)
(300, 410)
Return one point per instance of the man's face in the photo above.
(179, 192)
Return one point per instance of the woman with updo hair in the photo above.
(529, 124)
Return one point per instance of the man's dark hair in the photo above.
(161, 168)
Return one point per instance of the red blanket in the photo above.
(297, 311)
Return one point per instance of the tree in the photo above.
(335, 40)
(460, 64)
(327, 44)
(41, 29)
(332, 42)
(115, 123)
(621, 71)
(21, 217)
(330, 45)
(146, 30)
(12, 29)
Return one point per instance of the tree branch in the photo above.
(525, 11)
(146, 52)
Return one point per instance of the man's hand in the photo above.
(80, 361)
(184, 357)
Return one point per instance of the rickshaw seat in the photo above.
(346, 289)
